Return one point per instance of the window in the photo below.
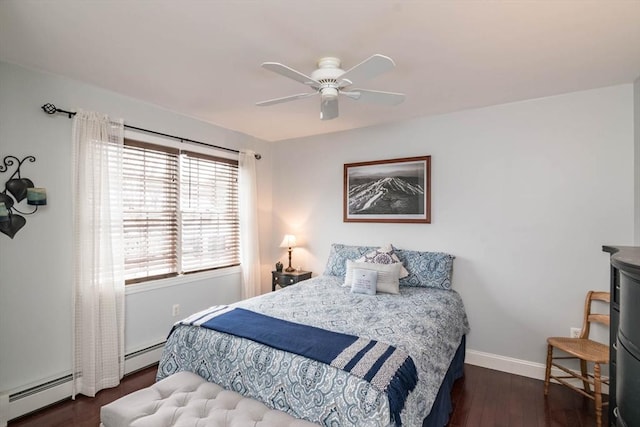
(180, 212)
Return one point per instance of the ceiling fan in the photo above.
(329, 81)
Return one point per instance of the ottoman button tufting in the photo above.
(186, 399)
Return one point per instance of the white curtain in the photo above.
(98, 288)
(248, 207)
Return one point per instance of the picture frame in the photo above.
(388, 191)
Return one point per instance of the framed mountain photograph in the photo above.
(395, 190)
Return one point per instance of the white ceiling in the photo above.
(202, 58)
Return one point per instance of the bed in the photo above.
(425, 320)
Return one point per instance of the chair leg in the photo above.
(547, 372)
(583, 370)
(597, 394)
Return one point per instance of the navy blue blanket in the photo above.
(386, 367)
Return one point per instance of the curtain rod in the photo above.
(52, 109)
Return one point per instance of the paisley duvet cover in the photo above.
(427, 323)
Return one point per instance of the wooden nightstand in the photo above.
(283, 278)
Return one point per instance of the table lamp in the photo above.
(289, 242)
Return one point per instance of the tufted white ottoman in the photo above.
(186, 400)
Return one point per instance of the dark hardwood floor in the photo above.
(489, 398)
(483, 398)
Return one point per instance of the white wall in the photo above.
(524, 194)
(35, 267)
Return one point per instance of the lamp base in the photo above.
(289, 269)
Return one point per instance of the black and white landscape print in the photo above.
(387, 190)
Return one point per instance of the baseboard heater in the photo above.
(37, 397)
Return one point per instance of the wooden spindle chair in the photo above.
(586, 351)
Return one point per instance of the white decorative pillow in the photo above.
(388, 275)
(364, 281)
(384, 255)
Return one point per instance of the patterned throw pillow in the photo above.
(338, 256)
(426, 269)
(384, 255)
(388, 275)
(364, 281)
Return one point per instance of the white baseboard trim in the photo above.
(505, 364)
(33, 402)
(510, 365)
(143, 358)
(4, 409)
(21, 402)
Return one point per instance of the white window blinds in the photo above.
(181, 212)
(209, 208)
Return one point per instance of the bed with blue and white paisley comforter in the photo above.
(427, 323)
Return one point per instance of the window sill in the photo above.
(179, 280)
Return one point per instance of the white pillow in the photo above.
(364, 281)
(388, 275)
(384, 255)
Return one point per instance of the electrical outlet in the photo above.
(175, 310)
(575, 332)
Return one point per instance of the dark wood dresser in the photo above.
(624, 371)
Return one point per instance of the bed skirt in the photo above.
(442, 406)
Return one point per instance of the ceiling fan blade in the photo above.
(285, 99)
(375, 96)
(329, 108)
(289, 72)
(369, 68)
(343, 83)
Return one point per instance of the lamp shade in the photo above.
(289, 241)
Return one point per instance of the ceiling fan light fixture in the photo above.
(329, 81)
(329, 93)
